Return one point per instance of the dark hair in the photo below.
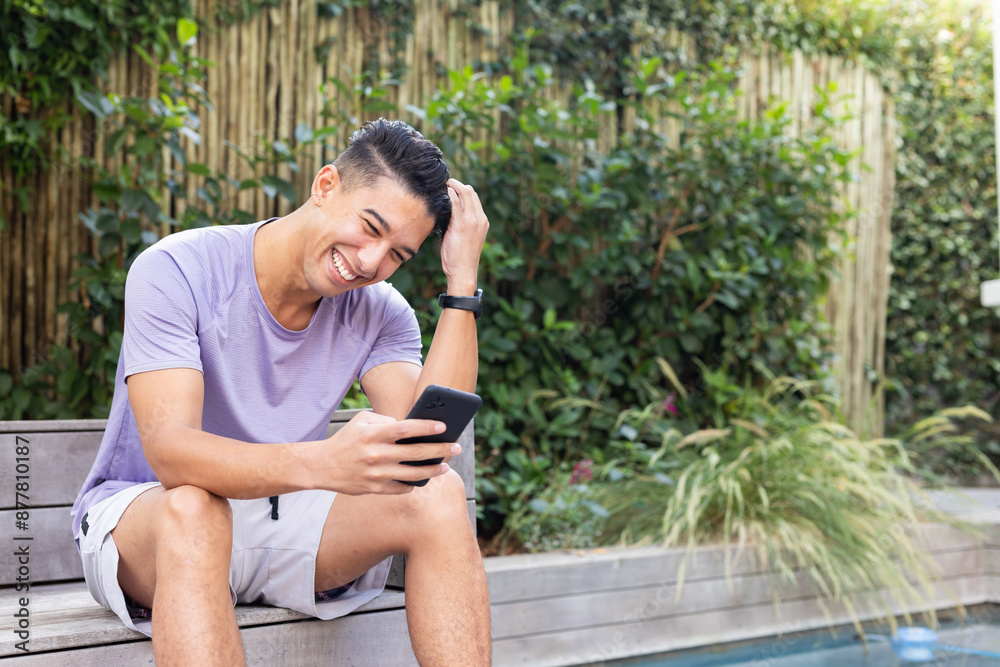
(392, 149)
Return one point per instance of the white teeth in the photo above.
(344, 273)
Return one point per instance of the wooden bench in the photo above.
(66, 627)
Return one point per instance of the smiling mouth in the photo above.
(341, 264)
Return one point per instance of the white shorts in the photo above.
(273, 561)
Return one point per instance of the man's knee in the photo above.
(193, 514)
(441, 500)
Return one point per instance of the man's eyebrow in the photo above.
(388, 230)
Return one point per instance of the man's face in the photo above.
(363, 236)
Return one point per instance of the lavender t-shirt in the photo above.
(192, 301)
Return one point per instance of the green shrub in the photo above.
(941, 344)
(780, 477)
(714, 246)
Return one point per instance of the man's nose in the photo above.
(370, 258)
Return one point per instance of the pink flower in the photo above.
(668, 403)
(581, 472)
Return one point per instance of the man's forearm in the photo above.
(453, 358)
(227, 467)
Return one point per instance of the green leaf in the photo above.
(131, 230)
(144, 54)
(690, 342)
(77, 15)
(106, 221)
(95, 103)
(108, 244)
(274, 186)
(303, 133)
(187, 31)
(538, 505)
(132, 200)
(324, 132)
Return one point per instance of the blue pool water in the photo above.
(821, 649)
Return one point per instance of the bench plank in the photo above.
(53, 554)
(587, 607)
(65, 616)
(671, 627)
(351, 640)
(57, 465)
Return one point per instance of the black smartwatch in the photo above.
(473, 303)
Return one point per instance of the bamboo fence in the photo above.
(266, 81)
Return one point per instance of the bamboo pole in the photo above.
(32, 265)
(271, 78)
(6, 253)
(234, 120)
(286, 90)
(258, 109)
(335, 71)
(49, 250)
(886, 197)
(798, 93)
(836, 306)
(15, 225)
(216, 87)
(417, 46)
(242, 100)
(74, 196)
(309, 162)
(852, 128)
(871, 187)
(192, 151)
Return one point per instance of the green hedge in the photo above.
(943, 347)
(712, 253)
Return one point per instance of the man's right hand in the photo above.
(363, 456)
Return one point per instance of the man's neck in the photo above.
(277, 267)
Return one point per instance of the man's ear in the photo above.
(327, 179)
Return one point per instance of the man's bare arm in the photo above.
(361, 458)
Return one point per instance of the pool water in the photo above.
(821, 649)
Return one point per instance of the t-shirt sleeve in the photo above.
(161, 316)
(399, 336)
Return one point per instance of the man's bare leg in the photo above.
(447, 599)
(174, 553)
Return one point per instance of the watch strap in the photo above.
(470, 303)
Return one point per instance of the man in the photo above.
(215, 481)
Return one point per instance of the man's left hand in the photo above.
(463, 242)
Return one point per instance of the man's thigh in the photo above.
(362, 531)
(159, 523)
(134, 538)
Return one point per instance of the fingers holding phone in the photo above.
(453, 407)
(364, 457)
(373, 453)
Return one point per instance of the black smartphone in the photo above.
(453, 407)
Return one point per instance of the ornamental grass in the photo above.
(781, 478)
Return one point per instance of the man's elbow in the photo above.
(161, 451)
